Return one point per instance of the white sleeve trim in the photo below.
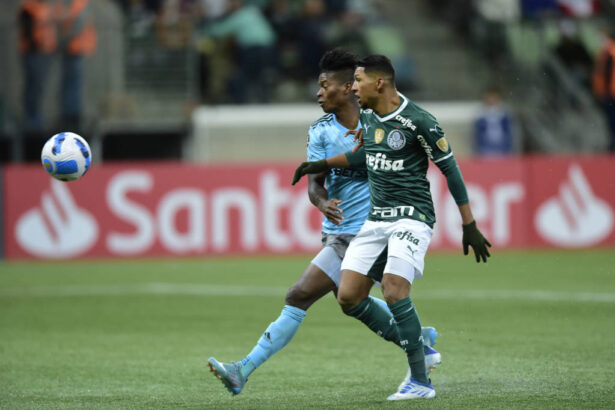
(443, 158)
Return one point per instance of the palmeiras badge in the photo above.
(396, 140)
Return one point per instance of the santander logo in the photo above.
(58, 228)
(575, 217)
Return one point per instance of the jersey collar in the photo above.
(404, 102)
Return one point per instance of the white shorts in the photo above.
(407, 239)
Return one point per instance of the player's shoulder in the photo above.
(426, 122)
(418, 113)
(325, 120)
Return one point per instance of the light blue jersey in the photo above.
(326, 139)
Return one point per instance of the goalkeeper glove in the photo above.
(314, 167)
(474, 238)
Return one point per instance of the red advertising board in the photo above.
(573, 201)
(174, 209)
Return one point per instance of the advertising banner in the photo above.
(175, 209)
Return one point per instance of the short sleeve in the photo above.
(315, 146)
(433, 140)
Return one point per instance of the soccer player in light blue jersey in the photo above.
(342, 195)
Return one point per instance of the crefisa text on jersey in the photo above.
(406, 122)
(380, 161)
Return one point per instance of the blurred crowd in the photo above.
(47, 28)
(486, 23)
(249, 49)
(256, 51)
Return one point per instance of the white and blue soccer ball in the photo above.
(66, 156)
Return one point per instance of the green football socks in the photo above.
(376, 317)
(409, 328)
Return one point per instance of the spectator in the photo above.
(535, 9)
(493, 128)
(37, 42)
(255, 41)
(571, 51)
(174, 23)
(348, 32)
(491, 28)
(604, 81)
(77, 40)
(579, 8)
(212, 9)
(312, 30)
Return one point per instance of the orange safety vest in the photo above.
(83, 42)
(600, 75)
(44, 32)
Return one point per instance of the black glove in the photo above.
(314, 167)
(474, 238)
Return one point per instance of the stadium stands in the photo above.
(155, 64)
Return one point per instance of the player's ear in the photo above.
(380, 84)
(348, 87)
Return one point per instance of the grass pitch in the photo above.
(526, 330)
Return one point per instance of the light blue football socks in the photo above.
(277, 335)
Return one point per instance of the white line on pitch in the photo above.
(279, 291)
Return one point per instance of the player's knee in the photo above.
(391, 294)
(299, 297)
(394, 288)
(348, 300)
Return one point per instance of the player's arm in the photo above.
(319, 197)
(441, 154)
(471, 234)
(346, 160)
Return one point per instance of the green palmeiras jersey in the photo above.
(396, 149)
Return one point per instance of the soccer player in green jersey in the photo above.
(398, 139)
(330, 192)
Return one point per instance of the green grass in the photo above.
(104, 335)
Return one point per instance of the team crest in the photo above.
(442, 143)
(378, 135)
(396, 140)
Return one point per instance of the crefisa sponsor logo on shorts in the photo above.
(407, 235)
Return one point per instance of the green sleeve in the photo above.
(454, 179)
(356, 159)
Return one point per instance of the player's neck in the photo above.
(388, 102)
(348, 116)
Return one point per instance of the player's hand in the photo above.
(313, 167)
(358, 138)
(331, 211)
(474, 238)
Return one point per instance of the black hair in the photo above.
(339, 61)
(377, 62)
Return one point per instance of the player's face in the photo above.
(365, 87)
(332, 93)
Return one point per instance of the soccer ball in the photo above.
(66, 156)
